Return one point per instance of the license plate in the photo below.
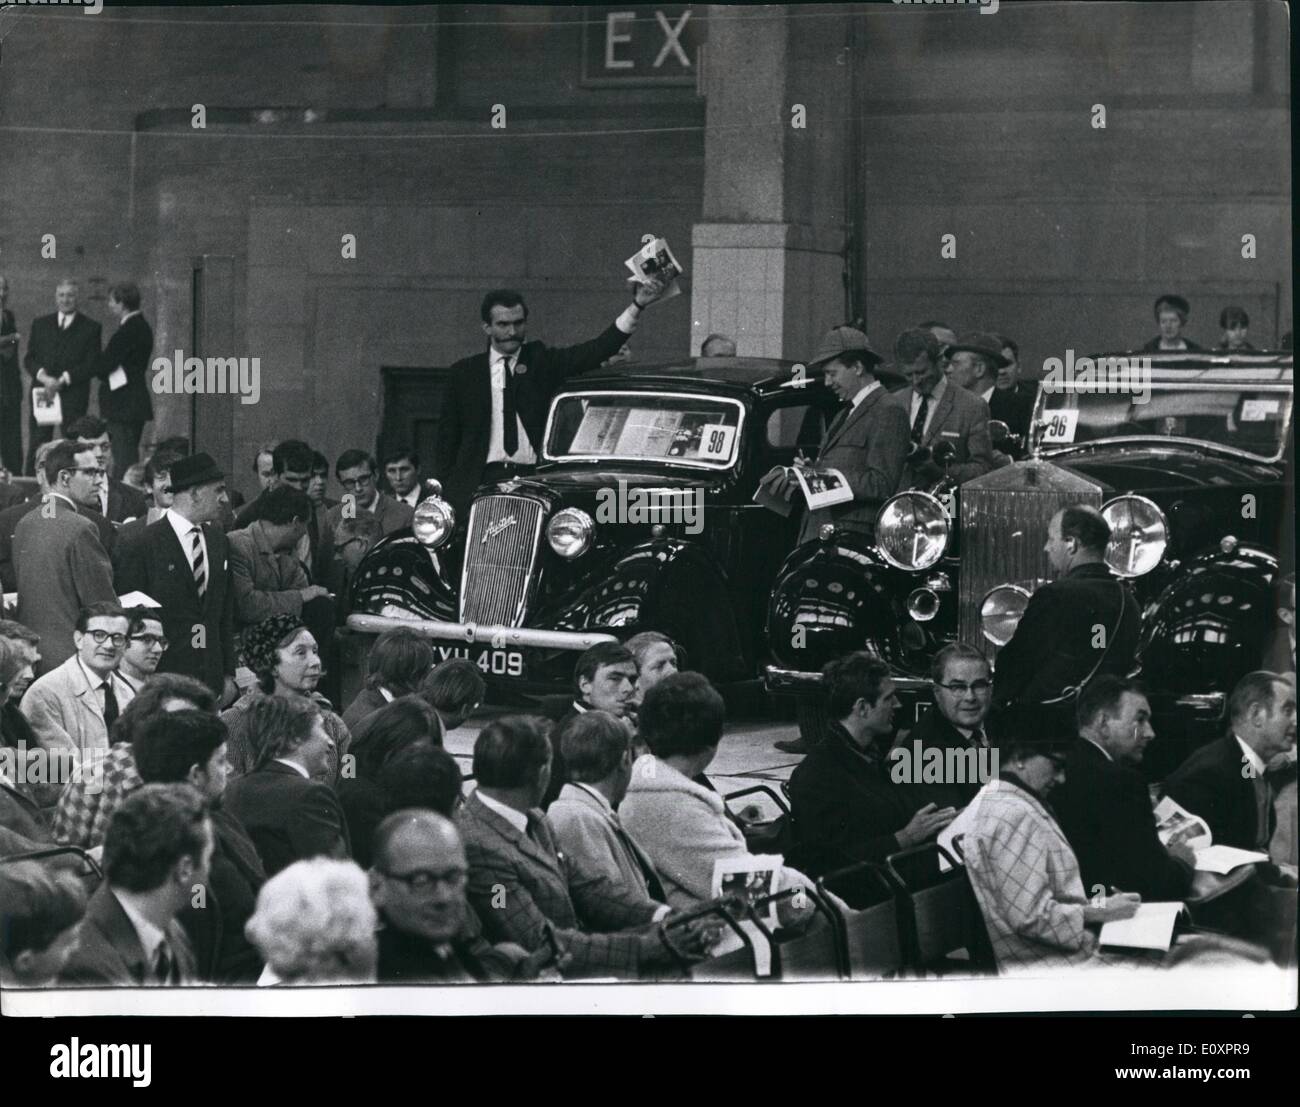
(491, 661)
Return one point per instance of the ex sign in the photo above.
(641, 46)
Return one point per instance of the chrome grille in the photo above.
(500, 555)
(1004, 518)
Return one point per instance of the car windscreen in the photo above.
(1251, 419)
(681, 429)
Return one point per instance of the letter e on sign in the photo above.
(643, 46)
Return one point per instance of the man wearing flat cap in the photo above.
(1171, 314)
(182, 561)
(867, 441)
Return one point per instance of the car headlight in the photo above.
(1139, 534)
(433, 523)
(1000, 612)
(570, 532)
(912, 530)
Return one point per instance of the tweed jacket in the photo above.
(684, 829)
(591, 835)
(64, 710)
(867, 444)
(60, 566)
(109, 951)
(90, 798)
(19, 813)
(521, 885)
(265, 582)
(960, 418)
(1026, 881)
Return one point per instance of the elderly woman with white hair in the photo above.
(315, 924)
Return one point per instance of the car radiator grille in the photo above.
(1004, 519)
(500, 555)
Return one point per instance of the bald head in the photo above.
(418, 879)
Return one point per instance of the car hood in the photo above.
(1134, 468)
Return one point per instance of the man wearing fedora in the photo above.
(182, 561)
(867, 441)
(939, 413)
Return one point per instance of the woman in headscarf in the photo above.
(284, 655)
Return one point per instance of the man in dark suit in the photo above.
(1084, 624)
(1225, 782)
(60, 565)
(974, 362)
(159, 846)
(189, 747)
(1012, 400)
(11, 389)
(495, 406)
(401, 466)
(118, 502)
(123, 372)
(524, 889)
(183, 562)
(844, 806)
(957, 720)
(867, 441)
(61, 352)
(1104, 806)
(939, 412)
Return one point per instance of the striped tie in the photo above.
(196, 559)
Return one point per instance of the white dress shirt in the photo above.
(95, 683)
(1252, 758)
(988, 396)
(183, 528)
(864, 392)
(295, 767)
(412, 497)
(150, 936)
(524, 455)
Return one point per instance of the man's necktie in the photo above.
(655, 888)
(918, 424)
(110, 704)
(164, 965)
(196, 560)
(64, 321)
(509, 420)
(1263, 811)
(978, 738)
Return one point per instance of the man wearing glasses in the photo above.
(353, 525)
(963, 695)
(60, 564)
(428, 934)
(145, 645)
(76, 705)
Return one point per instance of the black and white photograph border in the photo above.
(872, 197)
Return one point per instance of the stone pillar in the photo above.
(767, 263)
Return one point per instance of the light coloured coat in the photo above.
(64, 709)
(684, 829)
(587, 830)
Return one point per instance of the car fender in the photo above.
(1211, 625)
(398, 572)
(829, 599)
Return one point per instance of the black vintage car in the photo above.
(1195, 475)
(639, 516)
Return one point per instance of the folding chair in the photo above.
(772, 835)
(938, 913)
(871, 937)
